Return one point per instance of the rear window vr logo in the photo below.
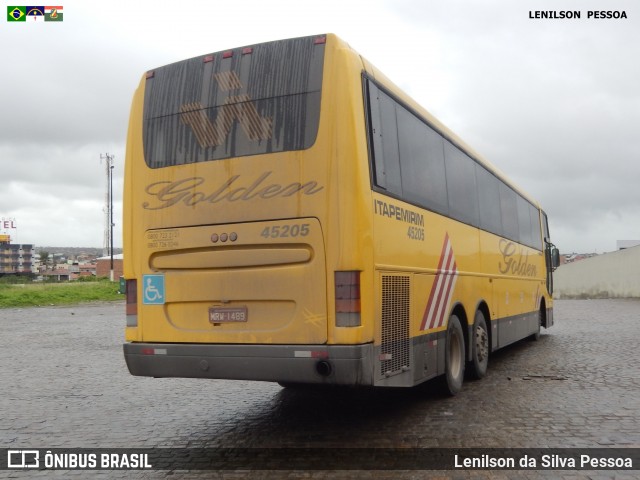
(236, 107)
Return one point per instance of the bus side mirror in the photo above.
(555, 258)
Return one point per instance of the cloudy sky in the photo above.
(555, 104)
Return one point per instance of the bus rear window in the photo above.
(245, 101)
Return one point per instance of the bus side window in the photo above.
(385, 141)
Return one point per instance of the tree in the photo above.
(44, 258)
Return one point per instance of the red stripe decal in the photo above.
(442, 289)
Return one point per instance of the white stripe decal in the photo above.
(442, 289)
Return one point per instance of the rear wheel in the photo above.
(454, 358)
(479, 347)
(536, 335)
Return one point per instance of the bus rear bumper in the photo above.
(322, 364)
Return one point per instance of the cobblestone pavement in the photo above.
(64, 383)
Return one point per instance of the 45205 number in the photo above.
(415, 233)
(286, 231)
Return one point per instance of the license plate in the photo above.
(228, 314)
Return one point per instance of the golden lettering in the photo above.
(191, 192)
(515, 264)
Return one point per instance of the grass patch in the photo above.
(39, 294)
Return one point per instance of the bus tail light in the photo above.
(131, 293)
(347, 299)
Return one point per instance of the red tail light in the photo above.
(131, 291)
(347, 299)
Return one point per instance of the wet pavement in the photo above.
(65, 385)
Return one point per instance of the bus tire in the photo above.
(479, 347)
(454, 357)
(536, 335)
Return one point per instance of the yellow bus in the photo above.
(291, 215)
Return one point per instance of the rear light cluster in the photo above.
(131, 293)
(229, 54)
(347, 299)
(321, 40)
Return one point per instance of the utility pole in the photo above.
(108, 230)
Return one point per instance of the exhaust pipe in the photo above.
(324, 368)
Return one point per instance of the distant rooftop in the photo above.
(116, 256)
(622, 244)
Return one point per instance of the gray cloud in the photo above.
(555, 104)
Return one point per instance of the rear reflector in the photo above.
(320, 41)
(347, 299)
(247, 51)
(208, 59)
(154, 351)
(310, 354)
(227, 54)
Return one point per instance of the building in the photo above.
(15, 259)
(575, 257)
(622, 244)
(103, 267)
(58, 275)
(87, 270)
(611, 275)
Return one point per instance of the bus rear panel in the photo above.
(226, 217)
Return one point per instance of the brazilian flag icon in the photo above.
(16, 14)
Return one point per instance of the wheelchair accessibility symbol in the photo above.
(153, 290)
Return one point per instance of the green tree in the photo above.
(44, 257)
